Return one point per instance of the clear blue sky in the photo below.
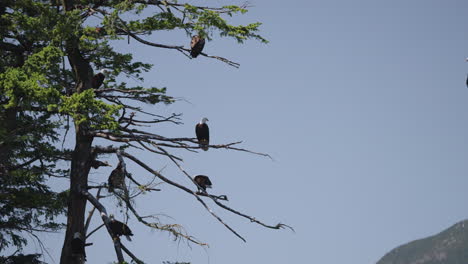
(363, 106)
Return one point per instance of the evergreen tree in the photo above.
(50, 52)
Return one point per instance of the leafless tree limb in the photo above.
(278, 226)
(94, 230)
(138, 261)
(90, 215)
(160, 176)
(105, 219)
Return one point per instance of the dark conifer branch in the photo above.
(175, 4)
(181, 49)
(174, 118)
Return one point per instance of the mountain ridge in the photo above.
(447, 247)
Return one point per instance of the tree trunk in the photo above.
(8, 120)
(80, 167)
(82, 154)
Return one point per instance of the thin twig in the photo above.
(160, 176)
(90, 215)
(105, 219)
(96, 229)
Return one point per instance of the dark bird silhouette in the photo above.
(203, 134)
(97, 163)
(203, 182)
(78, 246)
(120, 229)
(98, 79)
(196, 44)
(116, 178)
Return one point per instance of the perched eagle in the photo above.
(203, 182)
(78, 246)
(196, 46)
(203, 134)
(98, 79)
(467, 81)
(116, 178)
(120, 229)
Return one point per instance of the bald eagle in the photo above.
(203, 182)
(196, 46)
(120, 229)
(78, 246)
(203, 134)
(98, 79)
(116, 178)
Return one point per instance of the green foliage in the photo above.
(29, 85)
(22, 259)
(40, 91)
(84, 107)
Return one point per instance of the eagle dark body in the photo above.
(203, 135)
(203, 182)
(196, 46)
(120, 229)
(97, 80)
(78, 246)
(116, 178)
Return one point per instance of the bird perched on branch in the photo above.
(203, 134)
(120, 229)
(78, 246)
(98, 79)
(116, 178)
(97, 163)
(203, 182)
(196, 45)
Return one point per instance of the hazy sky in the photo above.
(364, 108)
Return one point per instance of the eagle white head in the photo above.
(111, 217)
(104, 72)
(203, 120)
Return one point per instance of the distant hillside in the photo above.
(448, 247)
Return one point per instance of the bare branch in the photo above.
(278, 226)
(90, 215)
(160, 176)
(138, 261)
(105, 219)
(173, 228)
(94, 230)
